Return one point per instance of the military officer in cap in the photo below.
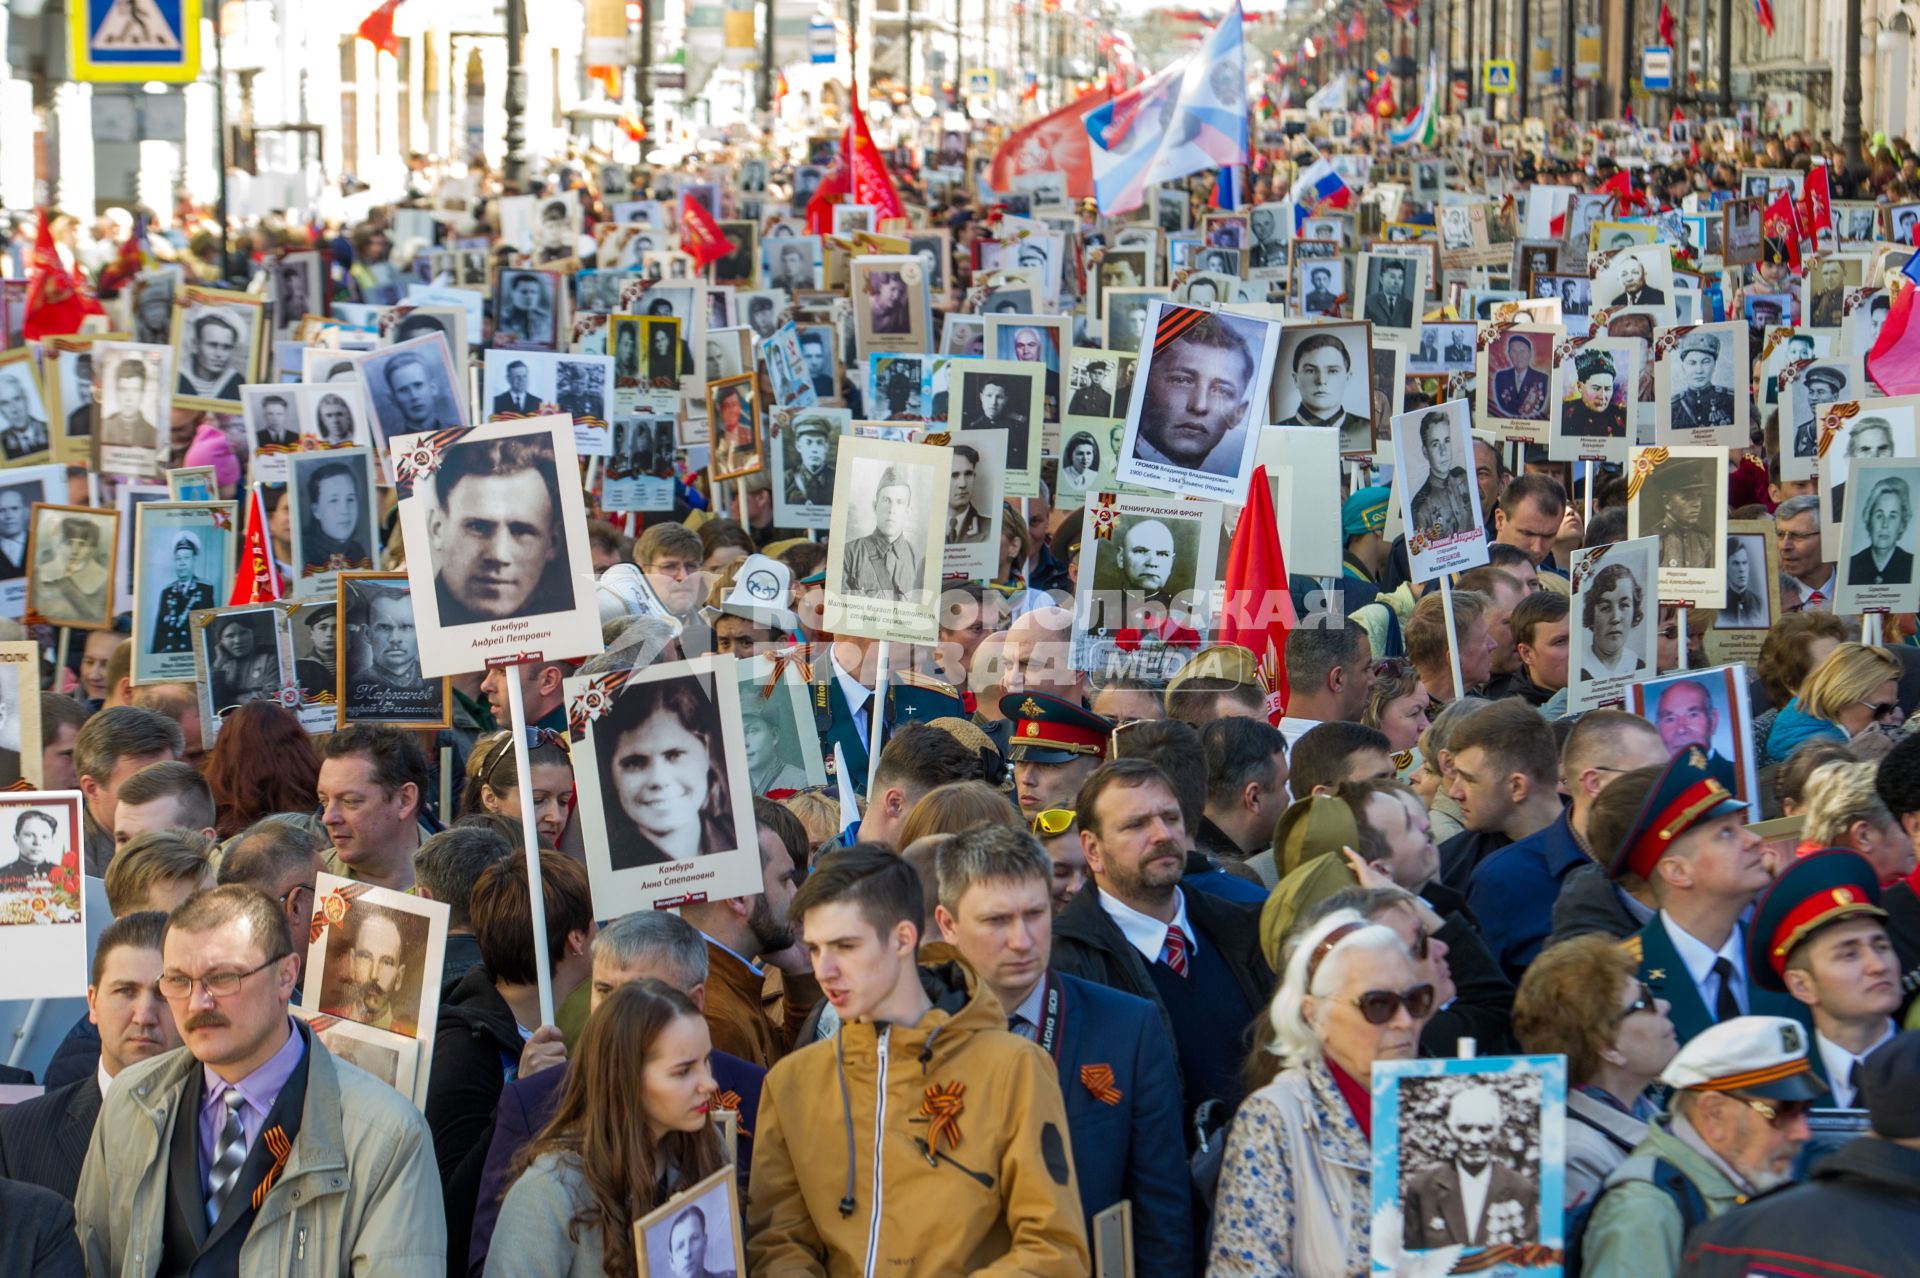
(1594, 414)
(812, 483)
(1689, 844)
(183, 596)
(1820, 935)
(1733, 1128)
(1676, 497)
(1699, 402)
(1443, 505)
(1824, 385)
(1055, 746)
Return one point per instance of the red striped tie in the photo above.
(1175, 953)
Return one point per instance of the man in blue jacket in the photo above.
(1115, 1060)
(654, 945)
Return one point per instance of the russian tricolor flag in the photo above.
(1318, 186)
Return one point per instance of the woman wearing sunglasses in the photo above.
(1584, 999)
(1295, 1193)
(1851, 696)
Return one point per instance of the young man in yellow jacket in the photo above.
(921, 1107)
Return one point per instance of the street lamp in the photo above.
(1850, 92)
(514, 170)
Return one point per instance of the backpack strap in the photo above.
(1685, 1194)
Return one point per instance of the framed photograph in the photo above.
(1877, 537)
(733, 426)
(973, 506)
(392, 1058)
(334, 516)
(182, 563)
(1323, 377)
(217, 338)
(380, 681)
(802, 447)
(1856, 223)
(697, 1231)
(1390, 289)
(1856, 430)
(1753, 592)
(1514, 366)
(781, 745)
(1146, 578)
(375, 959)
(1320, 284)
(1700, 385)
(1706, 710)
(1441, 1126)
(152, 308)
(43, 926)
(1003, 396)
(899, 387)
(296, 284)
(1679, 495)
(1635, 277)
(665, 802)
(1614, 639)
(1594, 379)
(71, 551)
(1433, 473)
(1113, 1241)
(413, 387)
(888, 502)
(310, 629)
(135, 413)
(272, 417)
(506, 569)
(526, 310)
(741, 264)
(1192, 423)
(891, 309)
(1866, 313)
(20, 757)
(193, 483)
(1742, 234)
(239, 655)
(639, 470)
(1806, 392)
(24, 436)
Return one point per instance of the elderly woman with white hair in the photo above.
(1295, 1192)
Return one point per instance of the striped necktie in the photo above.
(232, 1153)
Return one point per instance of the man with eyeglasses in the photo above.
(252, 1147)
(1689, 846)
(1796, 527)
(1735, 1125)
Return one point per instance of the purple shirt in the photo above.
(260, 1090)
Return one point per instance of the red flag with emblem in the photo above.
(1620, 187)
(1817, 192)
(1779, 222)
(55, 304)
(1258, 610)
(700, 236)
(256, 579)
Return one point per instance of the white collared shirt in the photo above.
(1146, 933)
(857, 695)
(1293, 729)
(1473, 1198)
(106, 1079)
(1839, 1063)
(1698, 960)
(1826, 589)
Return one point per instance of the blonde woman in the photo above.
(1853, 695)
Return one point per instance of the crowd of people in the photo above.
(1039, 936)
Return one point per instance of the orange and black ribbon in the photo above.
(1098, 1079)
(943, 1107)
(282, 1149)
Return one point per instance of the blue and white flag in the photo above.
(1186, 119)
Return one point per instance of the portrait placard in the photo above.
(701, 1221)
(1753, 593)
(334, 516)
(1035, 339)
(733, 426)
(639, 469)
(1706, 710)
(1323, 377)
(526, 310)
(1003, 396)
(20, 757)
(973, 506)
(1193, 420)
(1859, 430)
(778, 737)
(1439, 498)
(1514, 377)
(43, 927)
(24, 435)
(1877, 537)
(1805, 393)
(392, 1058)
(794, 263)
(414, 387)
(311, 629)
(72, 402)
(1146, 583)
(497, 532)
(1594, 379)
(182, 563)
(379, 680)
(240, 654)
(1700, 385)
(134, 389)
(217, 338)
(193, 483)
(1441, 1125)
(1613, 638)
(1680, 496)
(20, 490)
(666, 807)
(891, 310)
(374, 958)
(1390, 288)
(887, 502)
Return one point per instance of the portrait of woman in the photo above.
(1612, 612)
(242, 665)
(71, 579)
(662, 763)
(1080, 464)
(626, 352)
(334, 419)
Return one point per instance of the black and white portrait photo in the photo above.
(791, 262)
(1696, 382)
(1748, 584)
(889, 499)
(153, 306)
(333, 516)
(298, 283)
(1391, 290)
(999, 395)
(272, 417)
(1433, 453)
(1322, 376)
(1682, 500)
(1126, 318)
(1470, 1161)
(1192, 424)
(16, 501)
(380, 676)
(556, 230)
(239, 660)
(1615, 617)
(43, 931)
(890, 303)
(1878, 537)
(1145, 583)
(1321, 286)
(1269, 228)
(334, 416)
(1884, 431)
(898, 388)
(69, 378)
(698, 1236)
(972, 517)
(931, 248)
(374, 967)
(71, 550)
(23, 411)
(413, 387)
(803, 445)
(216, 342)
(526, 310)
(1443, 348)
(1636, 277)
(410, 321)
(183, 560)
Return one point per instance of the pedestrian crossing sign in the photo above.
(1499, 75)
(135, 40)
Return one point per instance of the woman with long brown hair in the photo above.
(262, 762)
(621, 1142)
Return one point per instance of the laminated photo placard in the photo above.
(887, 539)
(1614, 622)
(1877, 537)
(1679, 495)
(1440, 500)
(1700, 385)
(778, 737)
(1199, 392)
(1706, 710)
(43, 926)
(1146, 584)
(182, 562)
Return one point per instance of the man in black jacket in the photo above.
(36, 1233)
(1194, 955)
(1849, 1215)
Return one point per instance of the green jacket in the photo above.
(1636, 1230)
(360, 1194)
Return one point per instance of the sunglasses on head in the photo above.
(1052, 821)
(1379, 1006)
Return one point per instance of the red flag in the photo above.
(1259, 610)
(1357, 29)
(1894, 362)
(1763, 14)
(255, 579)
(377, 28)
(700, 236)
(1779, 222)
(1054, 143)
(1818, 192)
(833, 188)
(1620, 186)
(1666, 24)
(871, 183)
(55, 304)
(1380, 102)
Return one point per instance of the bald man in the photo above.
(1685, 716)
(1474, 1199)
